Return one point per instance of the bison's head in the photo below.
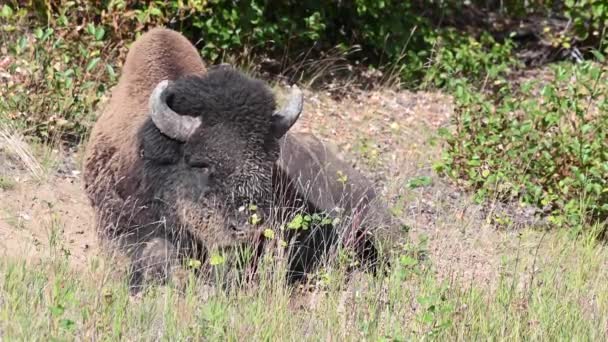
(209, 149)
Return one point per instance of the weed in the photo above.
(369, 151)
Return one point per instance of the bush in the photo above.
(58, 73)
(382, 28)
(544, 146)
(478, 61)
(584, 25)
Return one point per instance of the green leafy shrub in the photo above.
(584, 27)
(458, 57)
(589, 19)
(547, 147)
(382, 28)
(58, 73)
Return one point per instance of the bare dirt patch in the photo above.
(39, 216)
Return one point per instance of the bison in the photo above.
(182, 157)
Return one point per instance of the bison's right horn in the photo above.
(284, 118)
(171, 124)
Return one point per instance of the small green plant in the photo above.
(369, 151)
(434, 314)
(418, 182)
(306, 221)
(589, 21)
(58, 75)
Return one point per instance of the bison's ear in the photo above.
(170, 123)
(284, 118)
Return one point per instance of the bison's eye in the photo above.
(203, 166)
(199, 164)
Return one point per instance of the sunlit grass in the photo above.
(563, 297)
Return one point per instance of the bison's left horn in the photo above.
(171, 124)
(284, 118)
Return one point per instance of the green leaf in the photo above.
(92, 64)
(67, 324)
(296, 222)
(342, 177)
(326, 221)
(57, 310)
(427, 317)
(255, 219)
(38, 33)
(156, 12)
(474, 162)
(599, 56)
(418, 182)
(100, 33)
(194, 263)
(407, 261)
(6, 11)
(111, 72)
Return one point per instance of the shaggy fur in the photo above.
(161, 200)
(145, 186)
(310, 176)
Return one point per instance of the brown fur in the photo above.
(311, 170)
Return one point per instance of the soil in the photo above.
(43, 216)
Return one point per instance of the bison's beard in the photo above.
(210, 224)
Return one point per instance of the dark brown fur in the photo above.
(310, 175)
(127, 159)
(146, 188)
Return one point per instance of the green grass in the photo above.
(565, 298)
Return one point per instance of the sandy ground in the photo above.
(36, 214)
(389, 135)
